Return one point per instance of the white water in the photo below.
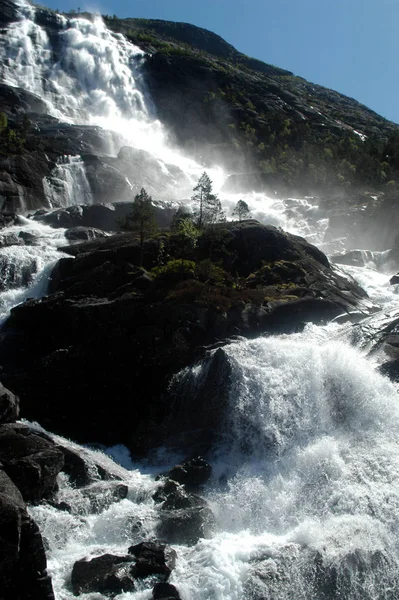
(307, 475)
(25, 269)
(68, 184)
(309, 471)
(95, 81)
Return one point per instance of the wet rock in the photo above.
(102, 494)
(153, 558)
(31, 460)
(79, 472)
(7, 219)
(82, 470)
(9, 406)
(192, 473)
(394, 279)
(173, 496)
(104, 217)
(107, 574)
(199, 406)
(22, 557)
(11, 239)
(83, 234)
(186, 526)
(29, 239)
(164, 591)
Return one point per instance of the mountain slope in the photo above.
(218, 102)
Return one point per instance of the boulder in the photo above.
(22, 557)
(191, 473)
(7, 219)
(173, 496)
(9, 406)
(153, 558)
(186, 526)
(83, 234)
(106, 574)
(164, 591)
(102, 494)
(78, 470)
(31, 460)
(83, 470)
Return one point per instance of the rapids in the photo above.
(305, 486)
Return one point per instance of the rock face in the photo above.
(98, 216)
(22, 558)
(112, 325)
(9, 406)
(31, 460)
(29, 464)
(107, 574)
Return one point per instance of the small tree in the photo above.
(241, 211)
(141, 219)
(184, 234)
(209, 209)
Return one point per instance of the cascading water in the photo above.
(305, 488)
(28, 252)
(67, 184)
(94, 81)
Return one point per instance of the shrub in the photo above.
(174, 270)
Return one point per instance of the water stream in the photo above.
(305, 486)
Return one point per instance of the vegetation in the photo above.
(208, 206)
(241, 211)
(290, 132)
(13, 138)
(141, 219)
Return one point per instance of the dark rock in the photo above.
(164, 591)
(174, 496)
(11, 239)
(105, 217)
(29, 239)
(12, 509)
(153, 558)
(394, 279)
(78, 470)
(22, 557)
(82, 470)
(186, 526)
(33, 563)
(15, 100)
(133, 328)
(199, 406)
(106, 574)
(83, 234)
(102, 494)
(191, 473)
(357, 258)
(9, 406)
(31, 460)
(8, 219)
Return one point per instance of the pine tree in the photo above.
(209, 209)
(141, 219)
(241, 211)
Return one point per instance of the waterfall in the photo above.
(28, 252)
(89, 75)
(305, 486)
(67, 185)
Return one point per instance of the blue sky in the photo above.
(351, 46)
